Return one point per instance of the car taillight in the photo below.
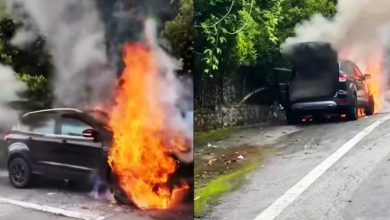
(7, 136)
(342, 77)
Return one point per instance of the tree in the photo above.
(38, 94)
(179, 32)
(233, 34)
(32, 64)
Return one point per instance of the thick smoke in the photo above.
(176, 94)
(76, 40)
(11, 87)
(78, 32)
(357, 25)
(359, 31)
(124, 22)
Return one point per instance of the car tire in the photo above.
(19, 173)
(292, 117)
(369, 110)
(120, 195)
(352, 110)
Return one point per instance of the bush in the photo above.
(38, 94)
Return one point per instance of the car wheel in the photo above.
(19, 173)
(352, 111)
(369, 110)
(292, 117)
(120, 196)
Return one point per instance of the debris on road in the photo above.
(210, 162)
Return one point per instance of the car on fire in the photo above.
(62, 143)
(321, 83)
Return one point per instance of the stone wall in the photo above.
(235, 115)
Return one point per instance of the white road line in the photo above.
(52, 210)
(294, 192)
(3, 173)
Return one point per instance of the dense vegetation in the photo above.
(31, 64)
(231, 35)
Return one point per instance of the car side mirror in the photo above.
(89, 133)
(367, 76)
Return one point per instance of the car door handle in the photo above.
(64, 141)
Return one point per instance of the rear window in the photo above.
(42, 123)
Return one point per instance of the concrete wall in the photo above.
(234, 115)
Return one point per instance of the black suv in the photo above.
(321, 83)
(59, 143)
(70, 144)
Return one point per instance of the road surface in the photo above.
(330, 170)
(49, 199)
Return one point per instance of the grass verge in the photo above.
(202, 138)
(222, 170)
(217, 187)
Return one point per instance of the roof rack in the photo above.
(53, 110)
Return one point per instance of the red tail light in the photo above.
(7, 136)
(343, 77)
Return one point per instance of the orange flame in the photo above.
(139, 156)
(375, 68)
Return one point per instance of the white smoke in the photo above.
(176, 94)
(358, 31)
(74, 34)
(11, 86)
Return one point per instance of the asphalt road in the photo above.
(356, 186)
(49, 199)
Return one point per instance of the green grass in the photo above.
(218, 186)
(214, 135)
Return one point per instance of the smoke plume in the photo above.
(11, 87)
(76, 40)
(176, 94)
(359, 31)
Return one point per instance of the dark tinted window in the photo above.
(73, 126)
(39, 123)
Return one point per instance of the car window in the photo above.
(42, 124)
(73, 126)
(346, 67)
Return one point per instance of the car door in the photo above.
(42, 140)
(81, 154)
(362, 94)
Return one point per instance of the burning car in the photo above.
(63, 143)
(321, 83)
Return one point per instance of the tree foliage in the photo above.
(234, 33)
(32, 64)
(38, 93)
(179, 32)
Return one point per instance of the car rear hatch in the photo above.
(315, 73)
